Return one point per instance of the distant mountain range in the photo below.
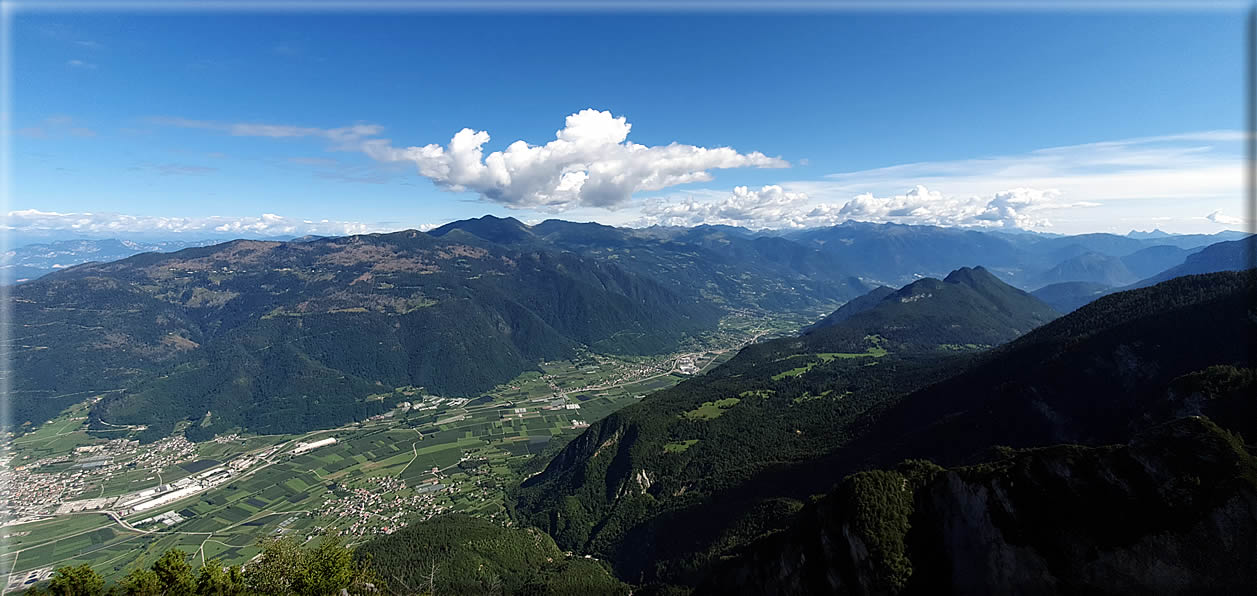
(877, 253)
(725, 266)
(1155, 233)
(30, 261)
(855, 255)
(1067, 296)
(342, 317)
(1234, 255)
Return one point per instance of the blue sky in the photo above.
(186, 122)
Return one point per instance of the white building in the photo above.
(304, 447)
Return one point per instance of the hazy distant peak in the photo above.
(1156, 233)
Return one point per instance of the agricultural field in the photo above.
(428, 455)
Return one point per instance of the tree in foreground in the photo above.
(76, 581)
(284, 568)
(139, 582)
(175, 573)
(217, 580)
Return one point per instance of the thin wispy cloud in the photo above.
(337, 170)
(80, 64)
(345, 137)
(55, 126)
(1188, 166)
(314, 161)
(178, 169)
(64, 33)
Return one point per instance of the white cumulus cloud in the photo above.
(590, 163)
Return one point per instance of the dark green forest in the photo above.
(458, 554)
(1100, 375)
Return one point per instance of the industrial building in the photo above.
(304, 447)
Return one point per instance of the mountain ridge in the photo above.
(351, 310)
(616, 491)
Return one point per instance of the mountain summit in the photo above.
(968, 308)
(502, 230)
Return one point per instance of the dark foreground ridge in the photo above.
(669, 488)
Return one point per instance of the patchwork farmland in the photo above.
(428, 455)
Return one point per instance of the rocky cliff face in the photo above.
(1173, 512)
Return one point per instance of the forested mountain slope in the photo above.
(969, 307)
(632, 487)
(1172, 512)
(1155, 259)
(665, 488)
(459, 554)
(279, 337)
(853, 307)
(719, 265)
(1151, 263)
(1234, 255)
(1066, 297)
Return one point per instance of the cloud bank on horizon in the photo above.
(773, 207)
(592, 167)
(1109, 180)
(267, 224)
